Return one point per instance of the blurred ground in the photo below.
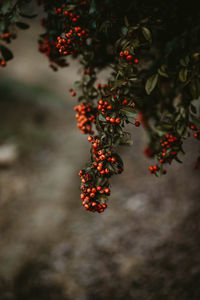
(146, 244)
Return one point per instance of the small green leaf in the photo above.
(102, 118)
(129, 111)
(147, 34)
(28, 16)
(183, 74)
(126, 21)
(7, 54)
(185, 61)
(178, 160)
(151, 83)
(162, 71)
(22, 25)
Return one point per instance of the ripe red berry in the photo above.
(129, 57)
(137, 123)
(107, 190)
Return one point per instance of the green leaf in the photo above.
(162, 71)
(126, 21)
(183, 74)
(22, 25)
(178, 160)
(147, 34)
(7, 54)
(129, 111)
(185, 61)
(28, 16)
(102, 118)
(151, 83)
(77, 84)
(126, 141)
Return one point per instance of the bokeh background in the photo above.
(146, 245)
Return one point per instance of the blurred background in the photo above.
(146, 245)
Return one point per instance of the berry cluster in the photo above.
(47, 43)
(86, 115)
(49, 49)
(170, 147)
(71, 41)
(103, 160)
(104, 107)
(130, 58)
(93, 196)
(157, 170)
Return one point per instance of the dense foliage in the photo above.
(152, 49)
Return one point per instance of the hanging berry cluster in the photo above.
(154, 79)
(86, 115)
(69, 43)
(170, 146)
(130, 58)
(93, 196)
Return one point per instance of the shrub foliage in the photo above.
(152, 49)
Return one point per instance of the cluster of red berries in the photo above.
(130, 58)
(104, 107)
(86, 115)
(69, 42)
(196, 134)
(49, 49)
(170, 147)
(93, 197)
(104, 161)
(156, 170)
(2, 62)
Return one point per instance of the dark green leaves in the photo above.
(7, 54)
(22, 25)
(162, 71)
(183, 74)
(151, 83)
(147, 34)
(129, 111)
(102, 118)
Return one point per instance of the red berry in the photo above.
(137, 123)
